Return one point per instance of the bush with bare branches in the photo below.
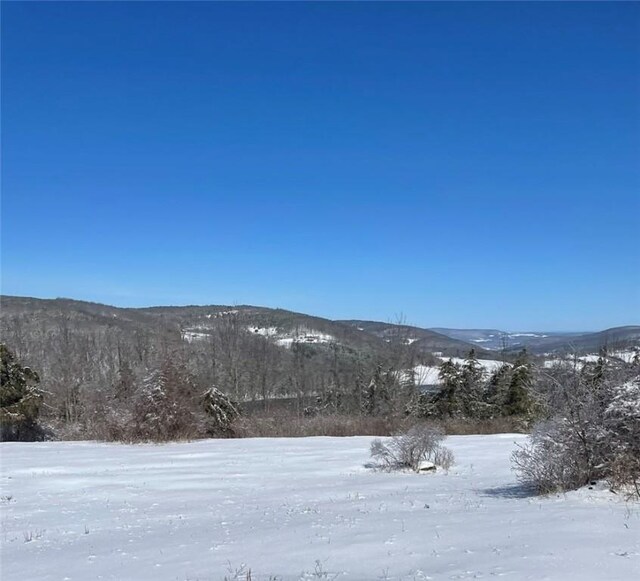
(421, 443)
(592, 431)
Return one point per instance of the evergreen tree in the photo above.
(422, 405)
(376, 397)
(330, 401)
(221, 412)
(471, 387)
(368, 394)
(20, 399)
(447, 400)
(518, 401)
(498, 387)
(165, 405)
(594, 372)
(152, 408)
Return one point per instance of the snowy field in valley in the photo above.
(297, 509)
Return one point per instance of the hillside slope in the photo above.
(611, 339)
(195, 323)
(425, 340)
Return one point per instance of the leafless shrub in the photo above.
(318, 573)
(67, 431)
(443, 457)
(593, 432)
(622, 426)
(420, 443)
(553, 459)
(242, 573)
(31, 535)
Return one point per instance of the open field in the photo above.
(293, 509)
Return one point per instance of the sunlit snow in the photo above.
(295, 508)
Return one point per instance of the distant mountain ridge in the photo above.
(429, 340)
(547, 342)
(285, 327)
(614, 338)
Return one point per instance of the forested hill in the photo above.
(24, 317)
(82, 350)
(92, 359)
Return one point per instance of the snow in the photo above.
(430, 374)
(284, 339)
(627, 356)
(426, 374)
(626, 404)
(264, 331)
(298, 509)
(305, 336)
(579, 360)
(489, 365)
(190, 336)
(222, 313)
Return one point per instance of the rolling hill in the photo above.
(425, 340)
(196, 323)
(284, 328)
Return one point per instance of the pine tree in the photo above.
(165, 405)
(447, 400)
(470, 389)
(498, 387)
(376, 397)
(368, 395)
(519, 401)
(221, 412)
(152, 408)
(422, 406)
(20, 399)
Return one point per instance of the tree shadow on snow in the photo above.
(509, 491)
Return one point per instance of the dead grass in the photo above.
(293, 426)
(287, 426)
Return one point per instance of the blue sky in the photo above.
(464, 164)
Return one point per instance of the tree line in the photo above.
(90, 372)
(68, 380)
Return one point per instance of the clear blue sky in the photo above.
(465, 164)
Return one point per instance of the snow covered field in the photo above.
(297, 509)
